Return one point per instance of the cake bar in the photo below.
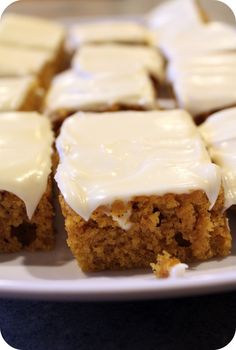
(71, 92)
(26, 211)
(119, 58)
(18, 62)
(135, 184)
(34, 33)
(104, 32)
(219, 133)
(205, 83)
(19, 94)
(214, 37)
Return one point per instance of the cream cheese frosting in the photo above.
(173, 17)
(33, 32)
(208, 62)
(14, 91)
(119, 58)
(219, 132)
(213, 37)
(25, 154)
(206, 90)
(108, 31)
(15, 61)
(74, 92)
(109, 156)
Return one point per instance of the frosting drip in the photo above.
(219, 132)
(25, 153)
(109, 156)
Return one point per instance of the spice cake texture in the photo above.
(26, 213)
(135, 184)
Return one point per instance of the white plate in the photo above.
(56, 276)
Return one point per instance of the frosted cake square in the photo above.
(119, 59)
(204, 83)
(71, 92)
(219, 133)
(18, 62)
(34, 33)
(26, 213)
(135, 184)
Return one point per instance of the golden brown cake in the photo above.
(26, 212)
(134, 184)
(219, 133)
(18, 232)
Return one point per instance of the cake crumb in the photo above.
(166, 266)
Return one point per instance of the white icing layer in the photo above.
(14, 91)
(25, 156)
(109, 156)
(34, 32)
(178, 270)
(15, 61)
(219, 132)
(206, 91)
(107, 31)
(211, 63)
(173, 17)
(97, 92)
(213, 37)
(118, 58)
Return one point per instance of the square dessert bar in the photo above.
(18, 62)
(104, 32)
(19, 94)
(219, 133)
(135, 184)
(26, 211)
(71, 92)
(34, 33)
(205, 83)
(119, 58)
(213, 37)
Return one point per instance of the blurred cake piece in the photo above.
(71, 92)
(104, 32)
(205, 83)
(135, 184)
(174, 17)
(119, 58)
(34, 33)
(214, 37)
(219, 133)
(19, 62)
(26, 214)
(20, 94)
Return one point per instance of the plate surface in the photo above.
(56, 276)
